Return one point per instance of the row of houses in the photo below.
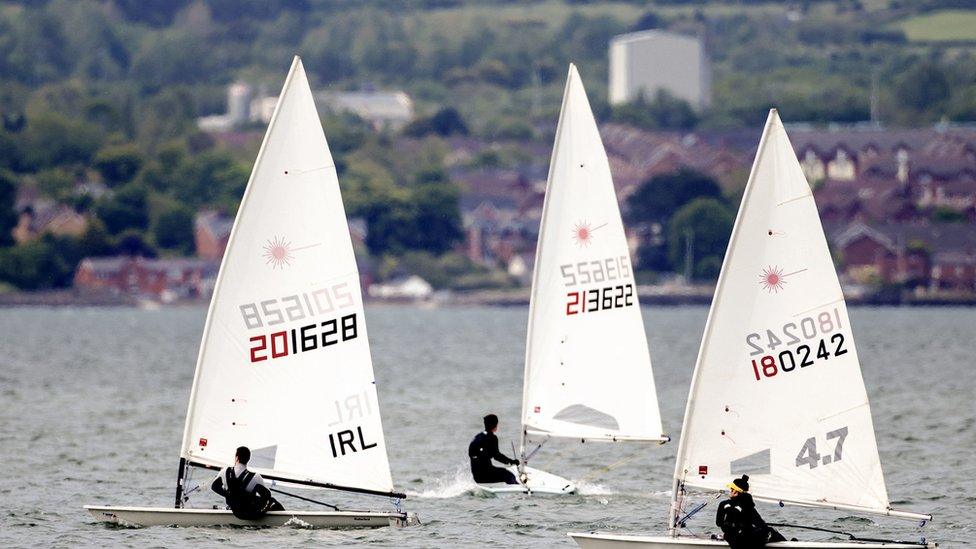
(926, 258)
(895, 191)
(885, 197)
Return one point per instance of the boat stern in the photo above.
(404, 520)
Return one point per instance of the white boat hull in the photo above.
(165, 516)
(537, 482)
(596, 540)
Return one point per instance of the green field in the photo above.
(941, 26)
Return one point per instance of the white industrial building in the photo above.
(648, 61)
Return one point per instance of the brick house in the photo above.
(162, 279)
(934, 256)
(211, 231)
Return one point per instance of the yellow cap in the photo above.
(734, 488)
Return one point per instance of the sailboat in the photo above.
(777, 391)
(588, 370)
(284, 366)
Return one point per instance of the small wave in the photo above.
(295, 522)
(452, 486)
(593, 489)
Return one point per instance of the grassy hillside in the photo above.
(941, 26)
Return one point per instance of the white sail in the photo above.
(587, 367)
(284, 366)
(777, 392)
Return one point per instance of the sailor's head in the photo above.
(491, 423)
(243, 455)
(739, 486)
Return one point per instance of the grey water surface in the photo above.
(92, 403)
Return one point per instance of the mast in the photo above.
(295, 66)
(679, 474)
(546, 202)
(180, 477)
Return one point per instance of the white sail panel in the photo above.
(588, 370)
(284, 366)
(777, 392)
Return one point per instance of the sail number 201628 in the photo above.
(314, 332)
(807, 341)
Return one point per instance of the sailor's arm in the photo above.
(496, 454)
(218, 485)
(720, 514)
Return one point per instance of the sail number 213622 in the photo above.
(584, 273)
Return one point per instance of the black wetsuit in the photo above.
(742, 525)
(247, 500)
(482, 449)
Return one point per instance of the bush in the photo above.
(708, 224)
(174, 230)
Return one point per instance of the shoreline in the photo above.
(519, 297)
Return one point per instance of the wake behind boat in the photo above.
(777, 392)
(284, 367)
(588, 370)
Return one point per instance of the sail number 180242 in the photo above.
(807, 341)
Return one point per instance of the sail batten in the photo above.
(284, 366)
(605, 437)
(587, 367)
(777, 391)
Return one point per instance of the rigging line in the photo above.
(310, 170)
(848, 534)
(303, 498)
(699, 507)
(794, 199)
(612, 466)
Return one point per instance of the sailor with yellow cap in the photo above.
(739, 520)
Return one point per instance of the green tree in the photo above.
(10, 154)
(127, 209)
(57, 183)
(174, 230)
(655, 200)
(943, 214)
(390, 222)
(923, 88)
(118, 164)
(95, 241)
(134, 243)
(665, 111)
(48, 262)
(444, 122)
(437, 217)
(208, 178)
(53, 140)
(705, 224)
(8, 213)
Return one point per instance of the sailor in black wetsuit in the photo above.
(482, 449)
(741, 524)
(244, 491)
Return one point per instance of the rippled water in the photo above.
(93, 402)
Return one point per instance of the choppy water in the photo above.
(92, 403)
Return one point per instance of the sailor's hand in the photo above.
(515, 462)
